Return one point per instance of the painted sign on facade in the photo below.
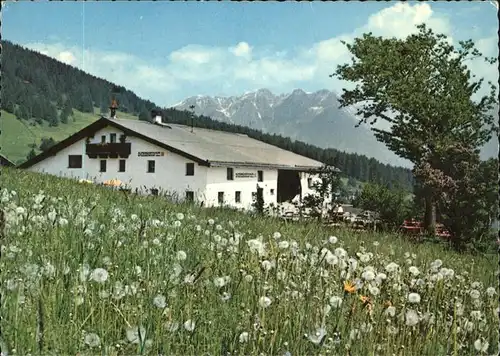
(151, 154)
(245, 175)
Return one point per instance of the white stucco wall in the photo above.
(217, 182)
(169, 175)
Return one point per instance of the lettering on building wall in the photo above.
(151, 154)
(245, 175)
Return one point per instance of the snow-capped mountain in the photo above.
(310, 117)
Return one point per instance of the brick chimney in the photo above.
(112, 108)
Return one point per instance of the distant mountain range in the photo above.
(314, 118)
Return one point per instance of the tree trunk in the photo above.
(430, 214)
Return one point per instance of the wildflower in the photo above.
(374, 290)
(264, 302)
(136, 334)
(277, 235)
(92, 340)
(475, 314)
(333, 240)
(354, 334)
(318, 336)
(391, 267)
(335, 301)
(211, 221)
(436, 264)
(391, 311)
(379, 278)
(490, 291)
(283, 245)
(181, 255)
(99, 275)
(411, 318)
(349, 287)
(474, 294)
(414, 298)
(365, 257)
(481, 346)
(189, 325)
(368, 275)
(179, 216)
(219, 282)
(267, 265)
(414, 270)
(244, 337)
(340, 252)
(160, 301)
(225, 296)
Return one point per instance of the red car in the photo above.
(414, 227)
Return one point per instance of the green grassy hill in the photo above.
(91, 266)
(18, 135)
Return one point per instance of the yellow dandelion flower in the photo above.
(349, 287)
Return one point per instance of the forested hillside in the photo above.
(48, 95)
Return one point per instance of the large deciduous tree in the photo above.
(423, 90)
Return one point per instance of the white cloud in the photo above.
(242, 49)
(66, 57)
(196, 69)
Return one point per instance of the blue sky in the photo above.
(167, 51)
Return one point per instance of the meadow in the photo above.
(90, 271)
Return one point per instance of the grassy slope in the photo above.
(18, 135)
(126, 244)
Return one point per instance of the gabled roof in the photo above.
(4, 161)
(204, 146)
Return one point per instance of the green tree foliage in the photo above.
(144, 115)
(393, 206)
(468, 202)
(46, 143)
(325, 191)
(31, 154)
(422, 88)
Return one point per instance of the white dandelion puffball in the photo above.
(244, 337)
(99, 275)
(189, 325)
(411, 318)
(374, 290)
(333, 239)
(391, 311)
(136, 335)
(181, 255)
(318, 336)
(391, 267)
(283, 245)
(475, 294)
(414, 298)
(490, 291)
(180, 216)
(92, 340)
(219, 282)
(368, 275)
(264, 302)
(414, 270)
(481, 346)
(160, 301)
(335, 301)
